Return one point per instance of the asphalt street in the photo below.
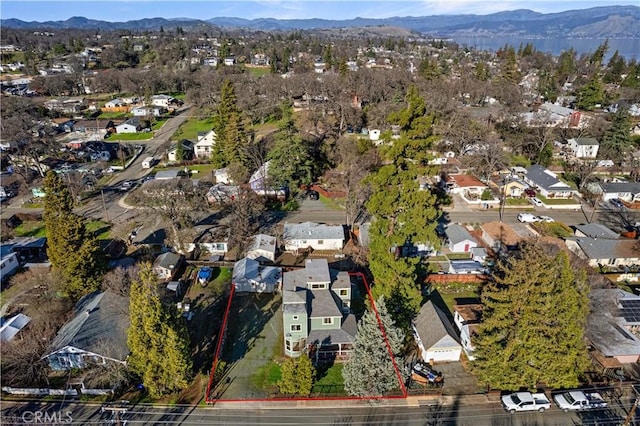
(455, 412)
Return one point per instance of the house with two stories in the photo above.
(435, 335)
(459, 240)
(316, 310)
(317, 236)
(467, 319)
(164, 101)
(96, 335)
(204, 144)
(547, 183)
(251, 277)
(583, 147)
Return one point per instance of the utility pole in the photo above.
(104, 205)
(632, 412)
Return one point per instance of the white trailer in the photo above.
(148, 162)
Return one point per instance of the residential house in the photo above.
(67, 106)
(167, 174)
(317, 236)
(467, 319)
(115, 103)
(205, 143)
(263, 248)
(9, 264)
(166, 265)
(595, 230)
(229, 62)
(214, 241)
(466, 266)
(132, 125)
(210, 62)
(151, 237)
(28, 248)
(612, 326)
(316, 312)
(627, 191)
(547, 182)
(12, 326)
(251, 277)
(261, 184)
(144, 111)
(584, 147)
(459, 240)
(467, 185)
(260, 59)
(500, 237)
(97, 334)
(102, 127)
(604, 252)
(222, 176)
(512, 187)
(435, 335)
(187, 151)
(552, 115)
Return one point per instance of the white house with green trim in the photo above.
(316, 312)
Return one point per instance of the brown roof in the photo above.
(502, 232)
(470, 313)
(466, 181)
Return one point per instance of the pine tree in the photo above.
(157, 338)
(617, 138)
(229, 128)
(70, 248)
(370, 370)
(591, 94)
(297, 376)
(532, 330)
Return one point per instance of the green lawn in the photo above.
(331, 203)
(518, 202)
(459, 256)
(222, 276)
(158, 123)
(131, 136)
(31, 229)
(553, 229)
(257, 72)
(190, 128)
(331, 382)
(202, 169)
(114, 115)
(100, 228)
(556, 200)
(452, 291)
(267, 376)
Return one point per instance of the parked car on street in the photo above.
(546, 219)
(536, 202)
(525, 401)
(579, 400)
(528, 218)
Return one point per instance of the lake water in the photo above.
(629, 48)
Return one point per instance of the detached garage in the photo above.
(435, 335)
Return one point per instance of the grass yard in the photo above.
(131, 136)
(557, 201)
(331, 203)
(267, 376)
(258, 72)
(202, 169)
(518, 202)
(221, 276)
(553, 229)
(331, 381)
(452, 291)
(459, 256)
(114, 116)
(190, 128)
(100, 228)
(31, 229)
(158, 123)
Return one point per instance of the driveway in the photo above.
(317, 211)
(254, 339)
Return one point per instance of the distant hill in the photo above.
(597, 22)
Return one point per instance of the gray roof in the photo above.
(345, 334)
(322, 303)
(12, 326)
(605, 329)
(457, 234)
(584, 141)
(538, 175)
(311, 230)
(263, 242)
(167, 260)
(167, 174)
(618, 187)
(432, 324)
(596, 230)
(99, 326)
(363, 236)
(340, 279)
(602, 248)
(316, 271)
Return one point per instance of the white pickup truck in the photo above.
(525, 401)
(579, 400)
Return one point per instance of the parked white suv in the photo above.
(536, 201)
(528, 218)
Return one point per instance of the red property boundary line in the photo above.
(221, 335)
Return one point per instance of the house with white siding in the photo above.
(317, 236)
(435, 335)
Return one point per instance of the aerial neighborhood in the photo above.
(223, 214)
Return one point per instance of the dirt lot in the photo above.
(253, 341)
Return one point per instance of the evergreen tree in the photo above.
(482, 71)
(179, 151)
(297, 376)
(157, 338)
(617, 138)
(229, 128)
(615, 68)
(510, 66)
(598, 56)
(291, 161)
(632, 79)
(370, 370)
(591, 94)
(532, 330)
(429, 69)
(70, 248)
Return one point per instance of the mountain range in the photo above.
(597, 22)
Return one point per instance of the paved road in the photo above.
(453, 412)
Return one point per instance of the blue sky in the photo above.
(124, 10)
